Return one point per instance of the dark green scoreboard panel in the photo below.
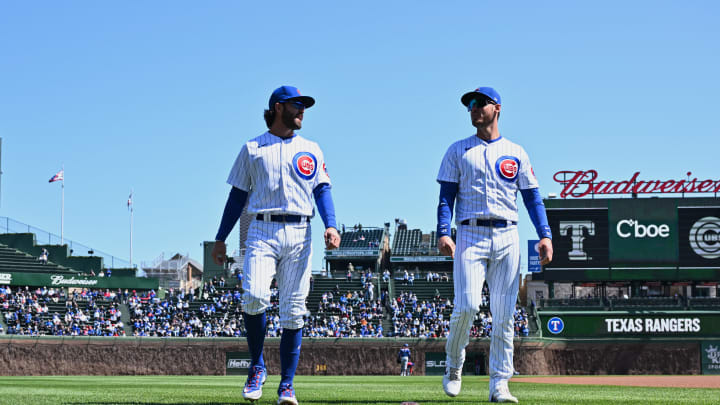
(635, 239)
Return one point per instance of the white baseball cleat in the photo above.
(286, 395)
(452, 381)
(502, 394)
(253, 386)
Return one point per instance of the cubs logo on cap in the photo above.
(508, 167)
(305, 165)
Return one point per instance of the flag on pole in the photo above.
(58, 176)
(129, 204)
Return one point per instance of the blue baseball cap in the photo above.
(488, 92)
(289, 93)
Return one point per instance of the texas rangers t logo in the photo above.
(305, 164)
(555, 325)
(507, 167)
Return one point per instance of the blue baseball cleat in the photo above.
(286, 395)
(254, 383)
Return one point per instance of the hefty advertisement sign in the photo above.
(237, 363)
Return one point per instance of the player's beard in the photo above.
(290, 120)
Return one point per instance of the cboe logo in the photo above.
(632, 227)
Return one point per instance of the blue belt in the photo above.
(283, 218)
(495, 223)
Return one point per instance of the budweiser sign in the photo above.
(584, 182)
(61, 280)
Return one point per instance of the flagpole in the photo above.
(131, 228)
(62, 209)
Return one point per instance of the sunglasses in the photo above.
(296, 104)
(475, 103)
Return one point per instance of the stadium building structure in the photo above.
(361, 249)
(179, 271)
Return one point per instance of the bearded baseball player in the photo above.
(482, 174)
(278, 174)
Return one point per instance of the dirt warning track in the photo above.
(677, 381)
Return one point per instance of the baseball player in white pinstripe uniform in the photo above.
(277, 174)
(483, 174)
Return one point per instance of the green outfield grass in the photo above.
(322, 390)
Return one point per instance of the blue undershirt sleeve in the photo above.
(536, 209)
(325, 205)
(448, 192)
(233, 209)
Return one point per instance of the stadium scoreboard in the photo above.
(634, 239)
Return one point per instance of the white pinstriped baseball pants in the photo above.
(283, 251)
(493, 253)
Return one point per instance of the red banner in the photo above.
(584, 182)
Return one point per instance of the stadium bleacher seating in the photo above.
(364, 239)
(712, 303)
(16, 261)
(572, 303)
(644, 303)
(407, 242)
(42, 311)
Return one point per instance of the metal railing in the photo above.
(9, 225)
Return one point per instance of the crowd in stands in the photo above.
(426, 319)
(431, 319)
(482, 327)
(347, 314)
(83, 312)
(217, 312)
(408, 278)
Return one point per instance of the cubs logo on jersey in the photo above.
(508, 167)
(305, 165)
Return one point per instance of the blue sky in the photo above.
(160, 96)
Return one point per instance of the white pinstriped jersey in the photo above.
(489, 175)
(279, 174)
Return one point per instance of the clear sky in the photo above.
(160, 96)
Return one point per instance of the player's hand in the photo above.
(446, 246)
(332, 239)
(219, 253)
(546, 251)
